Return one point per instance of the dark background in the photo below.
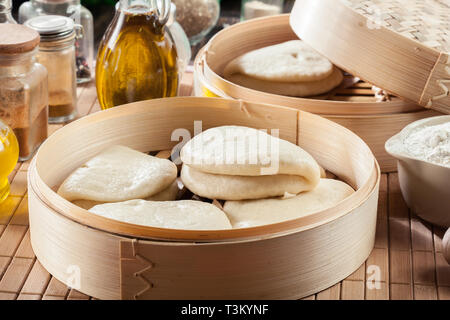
(101, 8)
(103, 12)
(96, 5)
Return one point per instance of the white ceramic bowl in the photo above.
(424, 185)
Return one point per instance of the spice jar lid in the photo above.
(16, 38)
(52, 27)
(400, 46)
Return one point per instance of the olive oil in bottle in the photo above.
(9, 154)
(137, 59)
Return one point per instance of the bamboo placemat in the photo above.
(408, 251)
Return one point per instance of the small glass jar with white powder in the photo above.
(260, 8)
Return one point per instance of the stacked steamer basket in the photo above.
(396, 45)
(109, 259)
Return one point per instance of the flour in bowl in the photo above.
(430, 143)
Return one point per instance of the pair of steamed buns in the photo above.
(126, 185)
(263, 179)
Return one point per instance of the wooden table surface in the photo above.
(408, 251)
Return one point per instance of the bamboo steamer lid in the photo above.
(16, 38)
(354, 104)
(398, 45)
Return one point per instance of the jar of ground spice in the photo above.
(78, 13)
(57, 54)
(23, 87)
(197, 17)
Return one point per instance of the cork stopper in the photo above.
(16, 38)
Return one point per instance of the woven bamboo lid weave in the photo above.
(401, 46)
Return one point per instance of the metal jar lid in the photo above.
(52, 27)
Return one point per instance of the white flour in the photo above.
(430, 143)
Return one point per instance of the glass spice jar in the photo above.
(81, 15)
(5, 12)
(57, 54)
(23, 88)
(9, 154)
(260, 8)
(197, 17)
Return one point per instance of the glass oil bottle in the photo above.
(137, 59)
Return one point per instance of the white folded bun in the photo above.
(168, 194)
(251, 213)
(236, 150)
(293, 89)
(229, 163)
(119, 173)
(291, 61)
(183, 214)
(227, 187)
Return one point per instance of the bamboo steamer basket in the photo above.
(354, 107)
(117, 260)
